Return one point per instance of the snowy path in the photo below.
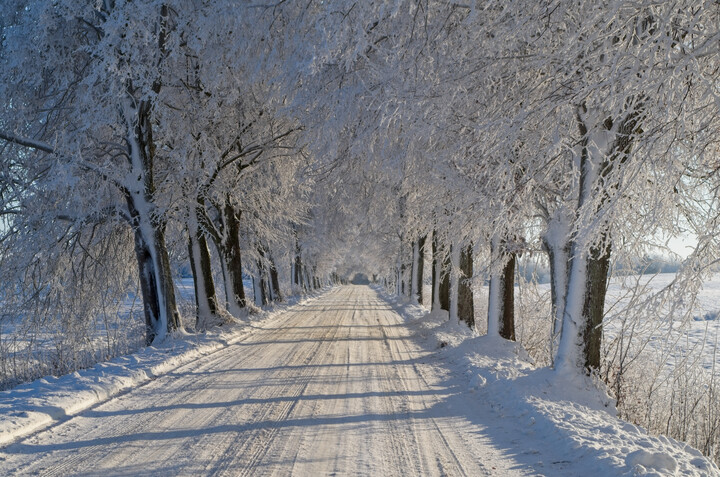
(333, 387)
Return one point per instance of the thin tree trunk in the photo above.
(421, 270)
(414, 273)
(274, 280)
(444, 289)
(436, 273)
(298, 281)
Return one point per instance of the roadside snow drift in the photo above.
(36, 405)
(352, 382)
(547, 422)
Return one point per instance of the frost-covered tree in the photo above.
(83, 93)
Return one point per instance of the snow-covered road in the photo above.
(333, 387)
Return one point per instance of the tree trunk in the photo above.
(306, 278)
(229, 249)
(274, 280)
(414, 272)
(596, 287)
(436, 273)
(507, 330)
(260, 286)
(421, 271)
(205, 298)
(557, 247)
(501, 302)
(156, 284)
(262, 279)
(298, 282)
(466, 311)
(426, 285)
(454, 281)
(581, 336)
(398, 281)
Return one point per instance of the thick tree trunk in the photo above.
(466, 310)
(262, 289)
(598, 267)
(148, 288)
(581, 336)
(260, 286)
(557, 246)
(501, 302)
(507, 330)
(229, 249)
(156, 284)
(206, 303)
(306, 278)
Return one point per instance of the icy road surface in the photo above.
(334, 387)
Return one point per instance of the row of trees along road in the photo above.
(414, 140)
(124, 122)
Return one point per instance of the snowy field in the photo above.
(351, 382)
(645, 307)
(678, 328)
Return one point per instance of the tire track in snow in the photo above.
(332, 388)
(452, 466)
(260, 446)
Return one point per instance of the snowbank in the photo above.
(546, 422)
(36, 405)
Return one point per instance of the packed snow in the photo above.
(351, 382)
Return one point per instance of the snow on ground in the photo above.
(346, 385)
(29, 350)
(672, 336)
(548, 423)
(43, 402)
